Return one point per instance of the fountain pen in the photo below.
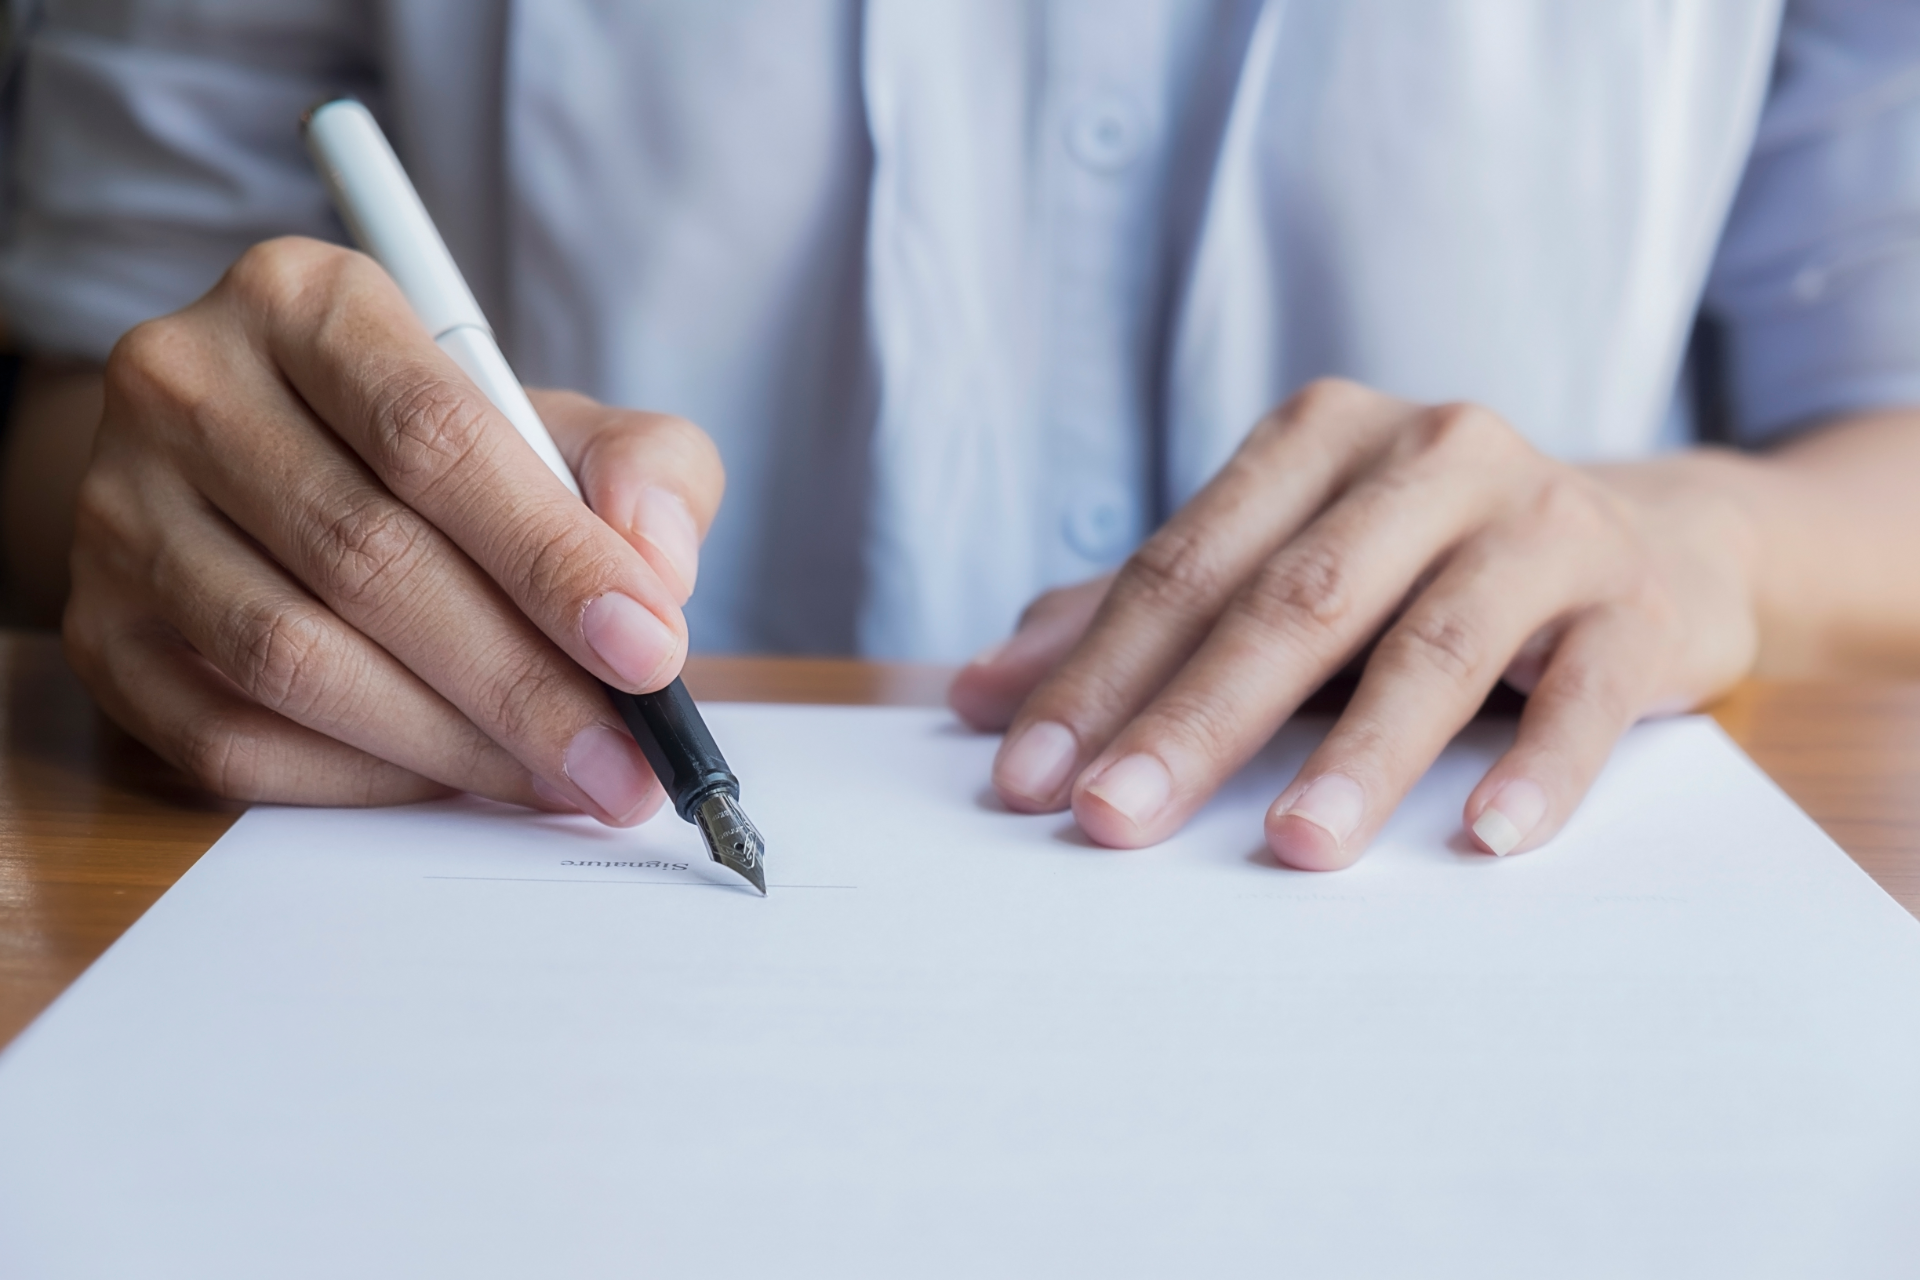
(382, 210)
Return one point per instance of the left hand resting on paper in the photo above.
(1435, 534)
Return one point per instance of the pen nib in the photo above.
(731, 839)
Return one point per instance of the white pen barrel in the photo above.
(475, 351)
(383, 211)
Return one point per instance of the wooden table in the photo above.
(93, 828)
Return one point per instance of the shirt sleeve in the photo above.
(151, 143)
(1817, 282)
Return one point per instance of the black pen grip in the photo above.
(678, 745)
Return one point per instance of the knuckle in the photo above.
(1564, 500)
(1567, 505)
(371, 548)
(1311, 585)
(1330, 418)
(568, 567)
(104, 509)
(1326, 397)
(153, 363)
(1091, 699)
(1199, 721)
(1175, 571)
(223, 754)
(474, 758)
(1598, 688)
(421, 427)
(1374, 750)
(275, 651)
(98, 500)
(1465, 431)
(1265, 437)
(523, 693)
(280, 273)
(1437, 642)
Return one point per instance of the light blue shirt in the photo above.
(971, 293)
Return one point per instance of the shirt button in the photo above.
(1106, 133)
(1100, 529)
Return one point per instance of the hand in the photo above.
(1437, 533)
(313, 564)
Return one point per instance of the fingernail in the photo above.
(1036, 763)
(609, 768)
(661, 517)
(1511, 816)
(629, 639)
(1334, 803)
(1136, 787)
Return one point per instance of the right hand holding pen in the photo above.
(314, 565)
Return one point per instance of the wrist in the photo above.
(1720, 523)
(1783, 531)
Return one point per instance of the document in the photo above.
(457, 1039)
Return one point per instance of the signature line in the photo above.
(651, 884)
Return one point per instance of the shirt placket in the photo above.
(1102, 154)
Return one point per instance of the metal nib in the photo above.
(731, 839)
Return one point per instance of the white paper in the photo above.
(458, 1040)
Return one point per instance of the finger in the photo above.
(1170, 593)
(656, 479)
(1425, 679)
(1300, 619)
(354, 351)
(150, 680)
(290, 654)
(162, 692)
(989, 690)
(1597, 683)
(393, 576)
(396, 578)
(1529, 662)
